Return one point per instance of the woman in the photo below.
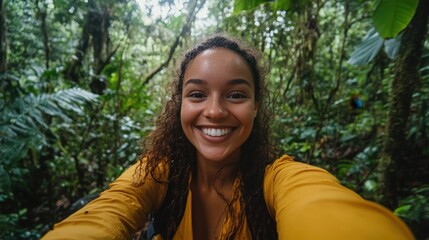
(209, 170)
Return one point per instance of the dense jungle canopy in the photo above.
(82, 81)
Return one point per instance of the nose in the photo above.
(215, 109)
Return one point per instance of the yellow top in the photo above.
(306, 201)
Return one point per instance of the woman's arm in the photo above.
(309, 203)
(118, 213)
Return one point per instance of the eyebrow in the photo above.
(195, 81)
(239, 81)
(230, 82)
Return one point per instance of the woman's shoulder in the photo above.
(287, 166)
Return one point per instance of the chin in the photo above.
(221, 157)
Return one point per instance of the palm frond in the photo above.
(23, 122)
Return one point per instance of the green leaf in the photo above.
(23, 126)
(292, 5)
(242, 5)
(391, 46)
(367, 49)
(37, 116)
(283, 4)
(402, 210)
(4, 180)
(22, 120)
(392, 16)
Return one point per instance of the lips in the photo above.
(216, 132)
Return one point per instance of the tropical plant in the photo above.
(26, 125)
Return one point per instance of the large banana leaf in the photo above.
(392, 16)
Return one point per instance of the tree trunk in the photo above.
(72, 72)
(99, 23)
(394, 165)
(42, 14)
(3, 43)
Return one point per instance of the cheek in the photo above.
(246, 117)
(251, 123)
(250, 114)
(185, 116)
(251, 120)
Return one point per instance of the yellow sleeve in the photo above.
(309, 203)
(118, 213)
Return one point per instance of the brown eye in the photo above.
(196, 95)
(237, 95)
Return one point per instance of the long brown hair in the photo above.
(167, 144)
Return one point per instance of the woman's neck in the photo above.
(211, 174)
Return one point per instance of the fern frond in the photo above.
(70, 99)
(22, 122)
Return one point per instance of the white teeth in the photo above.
(215, 132)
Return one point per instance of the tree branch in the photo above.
(195, 6)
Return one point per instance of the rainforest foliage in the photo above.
(82, 81)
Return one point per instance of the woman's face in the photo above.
(218, 104)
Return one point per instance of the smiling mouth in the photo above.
(216, 132)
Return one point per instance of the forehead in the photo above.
(218, 63)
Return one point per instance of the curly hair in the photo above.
(167, 144)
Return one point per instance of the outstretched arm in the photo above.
(118, 213)
(309, 203)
